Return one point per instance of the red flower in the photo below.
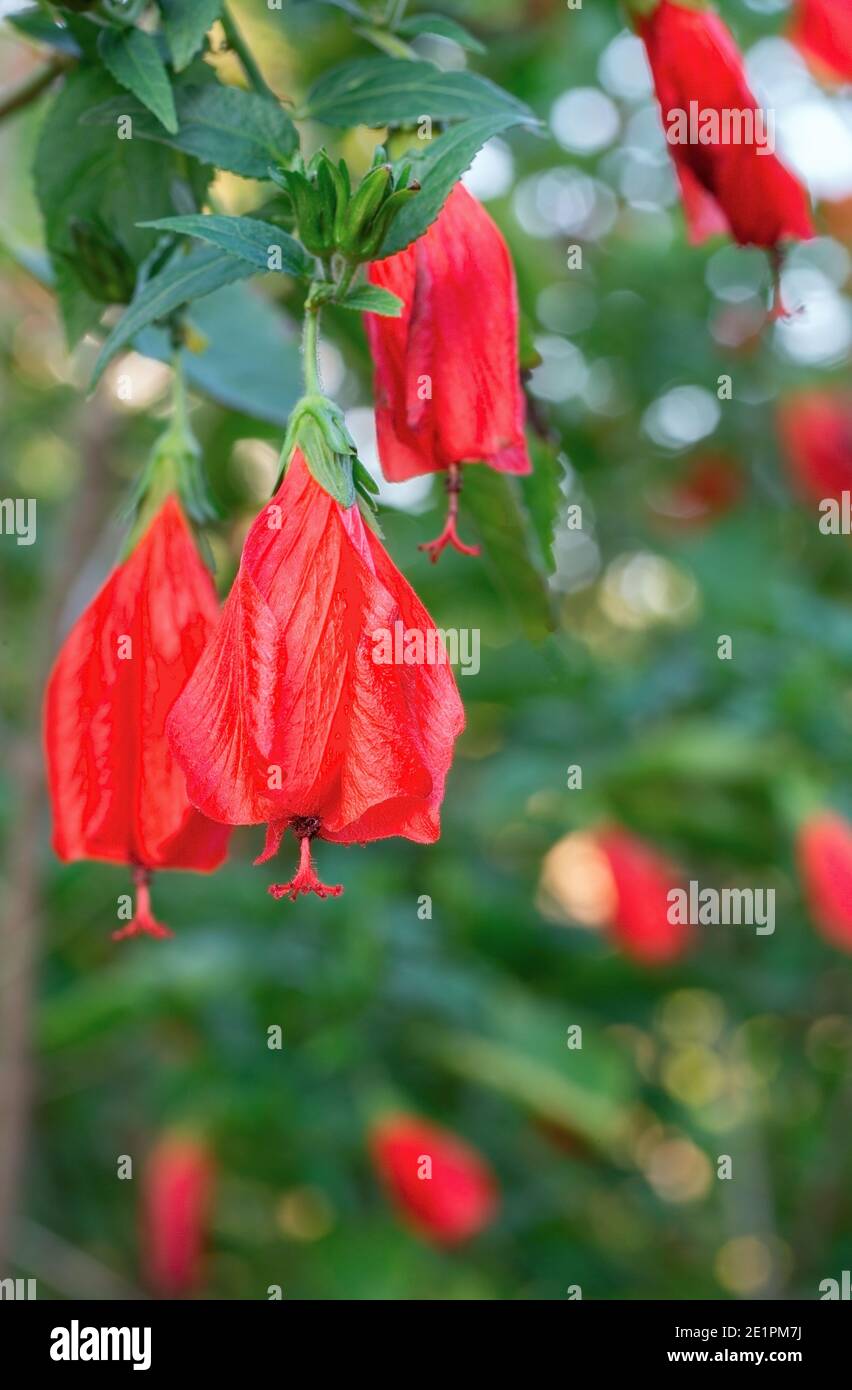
(447, 382)
(822, 29)
(442, 1186)
(816, 430)
(709, 488)
(117, 793)
(177, 1187)
(642, 880)
(740, 188)
(297, 715)
(824, 853)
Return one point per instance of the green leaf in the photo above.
(441, 25)
(35, 25)
(223, 126)
(197, 274)
(84, 172)
(133, 58)
(543, 496)
(492, 500)
(374, 300)
(185, 26)
(437, 170)
(390, 91)
(246, 237)
(251, 359)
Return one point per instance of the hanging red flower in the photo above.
(298, 714)
(824, 854)
(816, 434)
(441, 1186)
(641, 916)
(822, 29)
(447, 381)
(728, 184)
(177, 1187)
(115, 790)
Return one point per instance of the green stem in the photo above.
(395, 11)
(310, 350)
(346, 280)
(245, 55)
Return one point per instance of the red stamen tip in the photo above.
(449, 535)
(144, 922)
(305, 880)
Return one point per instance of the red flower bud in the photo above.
(643, 880)
(116, 792)
(177, 1187)
(441, 1186)
(447, 380)
(741, 188)
(816, 431)
(295, 715)
(824, 854)
(822, 29)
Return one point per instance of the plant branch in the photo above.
(310, 350)
(33, 85)
(245, 55)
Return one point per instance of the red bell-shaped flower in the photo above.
(822, 30)
(116, 791)
(177, 1187)
(442, 1187)
(299, 713)
(824, 854)
(816, 433)
(447, 381)
(642, 919)
(730, 178)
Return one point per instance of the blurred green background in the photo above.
(606, 1157)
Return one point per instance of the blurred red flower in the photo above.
(816, 434)
(741, 188)
(116, 791)
(643, 879)
(710, 486)
(822, 29)
(447, 381)
(177, 1188)
(824, 854)
(290, 717)
(443, 1188)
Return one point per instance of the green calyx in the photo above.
(317, 428)
(333, 219)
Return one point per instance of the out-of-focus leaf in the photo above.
(391, 91)
(543, 496)
(183, 281)
(133, 58)
(492, 501)
(246, 237)
(85, 172)
(250, 361)
(443, 26)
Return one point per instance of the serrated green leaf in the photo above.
(185, 26)
(197, 274)
(374, 300)
(543, 496)
(437, 170)
(441, 25)
(246, 237)
(133, 58)
(391, 91)
(223, 126)
(85, 172)
(492, 500)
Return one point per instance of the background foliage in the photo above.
(606, 1157)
